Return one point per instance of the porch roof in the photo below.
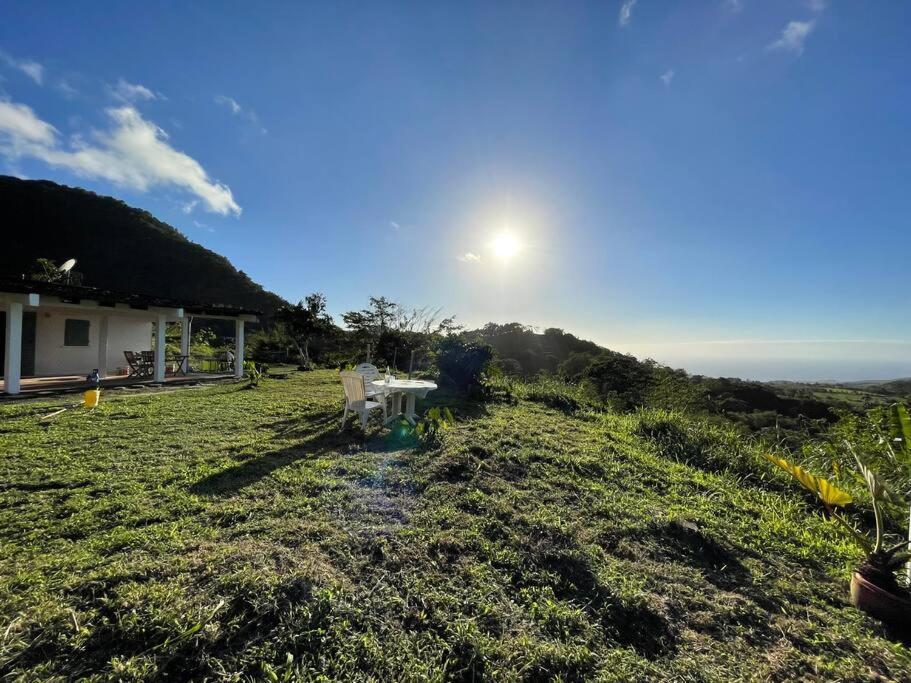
(74, 294)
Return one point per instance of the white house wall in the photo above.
(53, 358)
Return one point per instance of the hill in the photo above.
(224, 534)
(890, 387)
(848, 395)
(116, 246)
(522, 351)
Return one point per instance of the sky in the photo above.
(721, 185)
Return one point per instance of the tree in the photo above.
(395, 332)
(575, 365)
(619, 379)
(384, 312)
(304, 321)
(376, 319)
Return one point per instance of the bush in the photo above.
(510, 366)
(268, 346)
(432, 426)
(574, 367)
(554, 393)
(462, 364)
(619, 380)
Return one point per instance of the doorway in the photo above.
(29, 323)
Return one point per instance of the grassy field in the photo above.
(233, 534)
(840, 395)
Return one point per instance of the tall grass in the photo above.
(547, 389)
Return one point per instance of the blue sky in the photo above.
(720, 185)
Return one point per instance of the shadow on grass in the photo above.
(324, 439)
(684, 543)
(305, 427)
(318, 436)
(630, 623)
(35, 487)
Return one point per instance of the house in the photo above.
(51, 329)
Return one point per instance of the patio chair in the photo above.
(148, 362)
(224, 361)
(356, 398)
(140, 366)
(370, 372)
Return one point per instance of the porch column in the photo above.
(239, 348)
(185, 329)
(160, 328)
(12, 366)
(103, 347)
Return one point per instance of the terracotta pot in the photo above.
(881, 604)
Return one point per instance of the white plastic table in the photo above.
(411, 389)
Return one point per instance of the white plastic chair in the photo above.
(356, 398)
(370, 372)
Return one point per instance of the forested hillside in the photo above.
(626, 382)
(117, 246)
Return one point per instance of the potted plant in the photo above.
(901, 452)
(874, 584)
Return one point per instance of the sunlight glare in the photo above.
(505, 246)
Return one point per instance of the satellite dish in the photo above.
(67, 266)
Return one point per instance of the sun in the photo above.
(505, 246)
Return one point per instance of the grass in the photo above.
(233, 534)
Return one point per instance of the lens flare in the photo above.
(505, 246)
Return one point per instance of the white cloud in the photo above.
(189, 206)
(132, 153)
(131, 92)
(33, 70)
(793, 37)
(29, 67)
(469, 257)
(626, 11)
(395, 226)
(234, 107)
(203, 226)
(16, 173)
(20, 124)
(816, 5)
(667, 77)
(67, 89)
(228, 102)
(733, 5)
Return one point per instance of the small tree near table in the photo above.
(304, 321)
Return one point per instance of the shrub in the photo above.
(574, 367)
(431, 427)
(619, 380)
(510, 366)
(254, 372)
(462, 364)
(554, 393)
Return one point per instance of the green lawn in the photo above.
(232, 534)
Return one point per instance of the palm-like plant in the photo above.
(430, 429)
(901, 435)
(880, 563)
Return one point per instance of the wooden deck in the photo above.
(33, 387)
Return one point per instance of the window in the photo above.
(76, 333)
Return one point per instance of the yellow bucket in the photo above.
(91, 398)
